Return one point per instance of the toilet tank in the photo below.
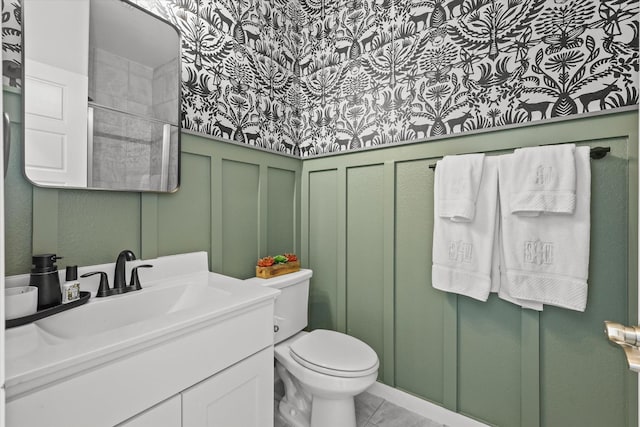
(291, 308)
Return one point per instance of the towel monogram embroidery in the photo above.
(460, 251)
(537, 252)
(543, 174)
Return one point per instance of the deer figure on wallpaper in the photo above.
(252, 37)
(417, 19)
(458, 121)
(598, 95)
(529, 107)
(225, 131)
(417, 128)
(224, 19)
(368, 40)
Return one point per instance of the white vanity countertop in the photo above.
(179, 295)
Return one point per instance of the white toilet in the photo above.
(322, 370)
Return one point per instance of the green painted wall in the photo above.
(363, 222)
(367, 232)
(229, 196)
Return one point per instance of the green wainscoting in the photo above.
(367, 222)
(229, 198)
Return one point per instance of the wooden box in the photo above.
(277, 269)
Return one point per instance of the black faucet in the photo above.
(119, 284)
(119, 280)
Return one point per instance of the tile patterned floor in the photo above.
(373, 411)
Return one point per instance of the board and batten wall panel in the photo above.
(280, 211)
(489, 346)
(419, 325)
(184, 218)
(322, 250)
(365, 252)
(240, 201)
(491, 361)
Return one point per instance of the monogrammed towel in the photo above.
(543, 180)
(458, 187)
(546, 257)
(498, 274)
(462, 251)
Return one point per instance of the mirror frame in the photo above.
(179, 111)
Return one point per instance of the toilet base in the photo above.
(334, 413)
(295, 406)
(299, 409)
(324, 412)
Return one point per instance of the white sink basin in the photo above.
(109, 313)
(179, 296)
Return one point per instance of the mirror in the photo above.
(101, 96)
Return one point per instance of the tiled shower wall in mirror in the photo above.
(308, 77)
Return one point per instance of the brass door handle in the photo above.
(627, 337)
(621, 334)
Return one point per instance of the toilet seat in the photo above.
(334, 353)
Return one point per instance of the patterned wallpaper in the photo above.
(308, 77)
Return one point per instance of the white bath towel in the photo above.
(546, 258)
(498, 275)
(543, 180)
(462, 251)
(458, 187)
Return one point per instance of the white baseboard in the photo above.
(423, 407)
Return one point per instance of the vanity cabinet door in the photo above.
(240, 396)
(165, 414)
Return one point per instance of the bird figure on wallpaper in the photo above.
(564, 40)
(355, 98)
(393, 102)
(438, 75)
(238, 87)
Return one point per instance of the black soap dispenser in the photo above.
(44, 276)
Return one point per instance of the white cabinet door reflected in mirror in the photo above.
(101, 96)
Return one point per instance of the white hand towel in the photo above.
(458, 188)
(543, 180)
(462, 251)
(546, 258)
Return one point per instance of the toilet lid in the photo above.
(334, 353)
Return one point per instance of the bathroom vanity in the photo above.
(192, 348)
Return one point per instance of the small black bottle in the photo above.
(44, 276)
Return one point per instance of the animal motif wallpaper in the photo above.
(11, 43)
(379, 72)
(309, 77)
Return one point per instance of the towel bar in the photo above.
(597, 153)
